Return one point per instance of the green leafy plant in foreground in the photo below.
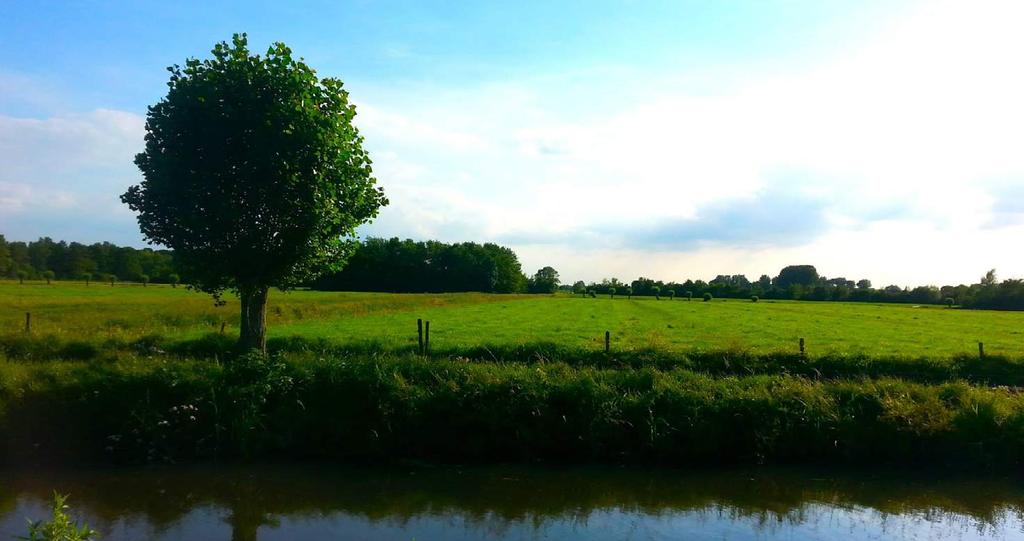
(60, 527)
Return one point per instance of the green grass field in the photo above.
(101, 313)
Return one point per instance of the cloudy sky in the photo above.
(873, 139)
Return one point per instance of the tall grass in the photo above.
(993, 370)
(388, 407)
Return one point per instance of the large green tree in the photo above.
(800, 275)
(544, 281)
(254, 174)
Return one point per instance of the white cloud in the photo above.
(897, 157)
(62, 176)
(901, 139)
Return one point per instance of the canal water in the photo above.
(274, 502)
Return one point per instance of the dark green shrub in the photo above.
(174, 279)
(48, 276)
(251, 382)
(754, 298)
(707, 297)
(78, 350)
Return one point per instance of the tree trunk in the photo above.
(253, 322)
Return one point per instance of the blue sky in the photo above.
(669, 139)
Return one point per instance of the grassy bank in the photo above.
(143, 374)
(389, 407)
(991, 370)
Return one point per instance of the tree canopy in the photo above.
(408, 266)
(254, 174)
(545, 280)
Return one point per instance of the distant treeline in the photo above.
(802, 282)
(407, 266)
(390, 265)
(75, 261)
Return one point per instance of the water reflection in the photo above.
(290, 502)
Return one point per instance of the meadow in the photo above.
(100, 314)
(142, 374)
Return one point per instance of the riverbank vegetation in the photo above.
(360, 407)
(131, 374)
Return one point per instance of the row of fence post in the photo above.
(423, 337)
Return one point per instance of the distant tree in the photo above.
(643, 286)
(593, 294)
(21, 276)
(671, 294)
(657, 292)
(892, 290)
(255, 175)
(544, 281)
(39, 253)
(989, 279)
(925, 295)
(754, 298)
(87, 277)
(6, 261)
(629, 292)
(174, 279)
(950, 302)
(48, 275)
(708, 297)
(404, 265)
(579, 287)
(802, 275)
(689, 295)
(611, 292)
(144, 278)
(113, 279)
(864, 284)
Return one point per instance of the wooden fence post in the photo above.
(802, 347)
(607, 341)
(28, 322)
(222, 323)
(419, 336)
(426, 337)
(981, 350)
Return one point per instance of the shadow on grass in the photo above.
(996, 370)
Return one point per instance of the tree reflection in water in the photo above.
(498, 501)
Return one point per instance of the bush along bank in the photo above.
(406, 407)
